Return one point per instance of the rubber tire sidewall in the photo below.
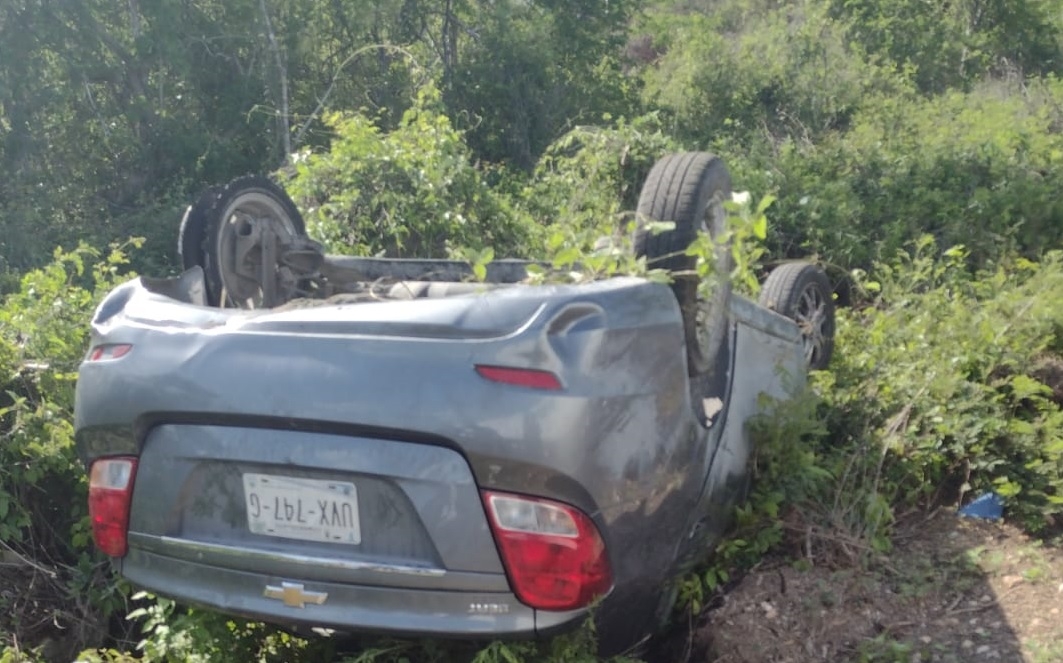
(193, 227)
(782, 292)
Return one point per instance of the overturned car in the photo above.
(379, 445)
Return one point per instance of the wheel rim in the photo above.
(708, 335)
(249, 212)
(812, 317)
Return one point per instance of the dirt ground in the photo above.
(952, 589)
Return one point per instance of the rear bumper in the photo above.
(346, 607)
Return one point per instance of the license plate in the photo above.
(306, 509)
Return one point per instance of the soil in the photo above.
(952, 589)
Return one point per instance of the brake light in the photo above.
(110, 494)
(522, 377)
(553, 554)
(109, 351)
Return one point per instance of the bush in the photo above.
(978, 168)
(589, 180)
(57, 590)
(737, 79)
(943, 381)
(407, 193)
(946, 384)
(952, 44)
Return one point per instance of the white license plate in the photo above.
(306, 509)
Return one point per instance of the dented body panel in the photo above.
(384, 396)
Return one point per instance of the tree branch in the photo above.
(282, 72)
(335, 77)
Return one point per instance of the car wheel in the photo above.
(232, 256)
(689, 190)
(802, 292)
(193, 228)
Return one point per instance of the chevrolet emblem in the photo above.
(293, 595)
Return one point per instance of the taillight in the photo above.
(521, 377)
(109, 351)
(110, 493)
(553, 554)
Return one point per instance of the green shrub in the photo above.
(942, 380)
(64, 593)
(945, 385)
(407, 193)
(736, 79)
(952, 44)
(594, 173)
(533, 70)
(790, 483)
(979, 168)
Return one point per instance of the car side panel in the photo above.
(768, 363)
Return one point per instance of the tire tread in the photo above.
(679, 188)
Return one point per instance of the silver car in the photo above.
(384, 446)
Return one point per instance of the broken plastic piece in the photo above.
(989, 506)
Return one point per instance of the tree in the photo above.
(528, 71)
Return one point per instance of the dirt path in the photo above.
(952, 590)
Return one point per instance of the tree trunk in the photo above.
(284, 116)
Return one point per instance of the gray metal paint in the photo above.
(349, 607)
(418, 498)
(622, 441)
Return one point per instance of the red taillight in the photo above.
(110, 492)
(553, 554)
(109, 351)
(522, 377)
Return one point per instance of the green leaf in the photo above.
(1006, 487)
(1023, 386)
(760, 227)
(567, 256)
(658, 227)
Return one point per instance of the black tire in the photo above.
(689, 189)
(193, 228)
(802, 292)
(251, 194)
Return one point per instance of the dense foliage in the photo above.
(945, 385)
(406, 193)
(884, 135)
(44, 528)
(956, 379)
(112, 117)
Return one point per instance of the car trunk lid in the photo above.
(312, 505)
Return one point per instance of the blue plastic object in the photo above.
(989, 506)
